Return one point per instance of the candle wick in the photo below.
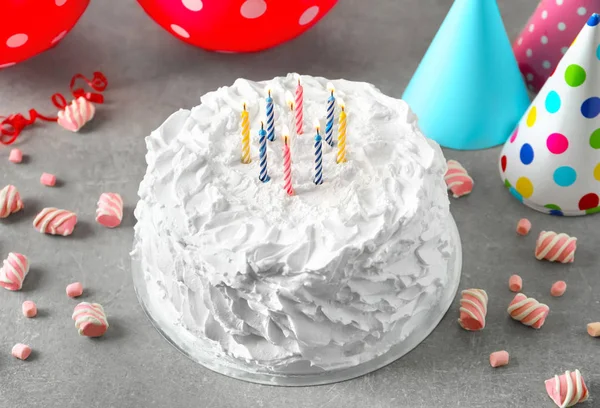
(262, 126)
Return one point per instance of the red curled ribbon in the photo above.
(11, 126)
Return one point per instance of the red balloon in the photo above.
(28, 27)
(236, 25)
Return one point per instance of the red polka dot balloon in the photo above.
(28, 27)
(236, 25)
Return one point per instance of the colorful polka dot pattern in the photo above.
(547, 35)
(596, 172)
(595, 139)
(564, 176)
(575, 75)
(524, 187)
(545, 162)
(526, 154)
(589, 201)
(531, 116)
(553, 102)
(590, 108)
(557, 143)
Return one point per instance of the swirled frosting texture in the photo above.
(327, 278)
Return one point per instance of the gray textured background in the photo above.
(152, 74)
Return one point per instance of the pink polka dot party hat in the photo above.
(551, 162)
(547, 36)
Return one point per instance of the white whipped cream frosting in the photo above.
(327, 278)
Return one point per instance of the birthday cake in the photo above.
(240, 272)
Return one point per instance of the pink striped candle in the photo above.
(287, 167)
(299, 112)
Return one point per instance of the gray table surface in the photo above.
(151, 75)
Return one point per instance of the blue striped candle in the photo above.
(318, 158)
(270, 118)
(330, 117)
(262, 133)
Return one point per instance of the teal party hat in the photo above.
(467, 91)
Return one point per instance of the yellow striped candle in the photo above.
(341, 154)
(245, 136)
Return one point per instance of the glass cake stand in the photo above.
(202, 352)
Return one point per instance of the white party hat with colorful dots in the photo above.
(467, 91)
(551, 162)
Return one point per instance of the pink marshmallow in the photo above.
(567, 389)
(593, 329)
(21, 351)
(29, 309)
(499, 358)
(457, 179)
(528, 311)
(555, 247)
(14, 270)
(74, 290)
(76, 114)
(515, 283)
(558, 288)
(524, 226)
(473, 309)
(90, 319)
(55, 222)
(110, 210)
(48, 179)
(15, 156)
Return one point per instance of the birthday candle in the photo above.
(270, 118)
(287, 166)
(245, 137)
(299, 108)
(290, 103)
(262, 133)
(330, 115)
(341, 154)
(318, 158)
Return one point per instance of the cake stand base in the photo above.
(203, 352)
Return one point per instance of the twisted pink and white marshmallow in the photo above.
(567, 389)
(55, 222)
(457, 179)
(10, 201)
(110, 210)
(76, 114)
(528, 311)
(90, 319)
(473, 309)
(13, 271)
(555, 247)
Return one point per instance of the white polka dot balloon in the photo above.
(259, 24)
(32, 26)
